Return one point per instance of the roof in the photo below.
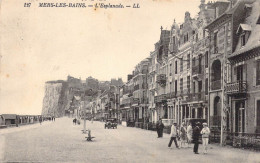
(230, 11)
(244, 27)
(254, 38)
(9, 116)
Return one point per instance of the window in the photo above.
(194, 87)
(199, 86)
(188, 84)
(193, 62)
(176, 87)
(176, 71)
(206, 59)
(200, 65)
(181, 65)
(206, 86)
(181, 85)
(188, 61)
(216, 42)
(258, 73)
(170, 69)
(258, 116)
(197, 37)
(243, 39)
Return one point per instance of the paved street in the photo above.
(61, 141)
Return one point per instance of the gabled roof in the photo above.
(250, 24)
(230, 11)
(244, 27)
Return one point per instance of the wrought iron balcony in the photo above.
(161, 79)
(199, 96)
(215, 85)
(160, 98)
(136, 101)
(170, 95)
(236, 87)
(197, 70)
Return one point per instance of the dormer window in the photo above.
(243, 39)
(244, 31)
(258, 21)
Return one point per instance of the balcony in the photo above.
(215, 85)
(197, 71)
(238, 87)
(170, 95)
(136, 87)
(195, 97)
(160, 98)
(136, 101)
(161, 79)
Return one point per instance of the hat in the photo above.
(197, 123)
(204, 124)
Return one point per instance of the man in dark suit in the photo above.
(196, 135)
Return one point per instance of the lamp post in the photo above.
(84, 126)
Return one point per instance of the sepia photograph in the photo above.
(130, 81)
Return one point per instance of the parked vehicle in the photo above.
(111, 123)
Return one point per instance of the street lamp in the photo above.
(84, 126)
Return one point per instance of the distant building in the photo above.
(92, 83)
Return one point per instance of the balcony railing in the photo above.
(236, 87)
(136, 101)
(136, 87)
(160, 99)
(171, 95)
(215, 85)
(161, 79)
(199, 96)
(197, 69)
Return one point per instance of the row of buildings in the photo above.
(207, 67)
(75, 97)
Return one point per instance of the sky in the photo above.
(43, 44)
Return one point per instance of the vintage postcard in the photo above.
(129, 81)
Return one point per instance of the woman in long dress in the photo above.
(189, 134)
(183, 135)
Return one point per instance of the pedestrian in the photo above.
(196, 135)
(205, 137)
(183, 135)
(159, 127)
(174, 134)
(40, 120)
(74, 121)
(189, 134)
